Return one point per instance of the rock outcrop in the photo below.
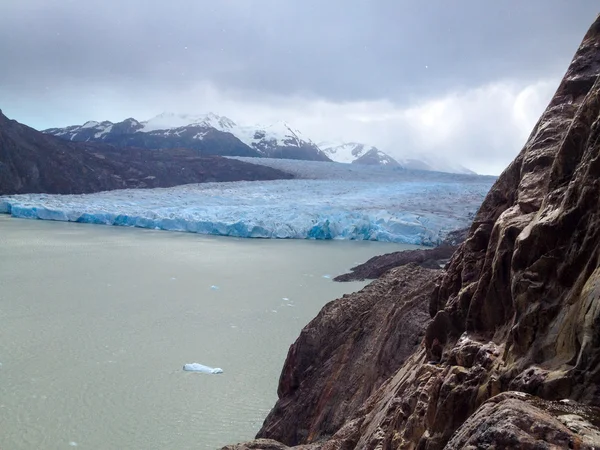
(346, 352)
(31, 161)
(431, 258)
(511, 357)
(518, 421)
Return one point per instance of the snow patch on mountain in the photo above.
(106, 130)
(278, 134)
(168, 121)
(267, 140)
(344, 152)
(90, 124)
(357, 153)
(256, 136)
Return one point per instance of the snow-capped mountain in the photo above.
(356, 153)
(169, 121)
(204, 134)
(279, 140)
(208, 134)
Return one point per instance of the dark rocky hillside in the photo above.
(510, 355)
(31, 161)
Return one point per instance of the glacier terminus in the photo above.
(325, 201)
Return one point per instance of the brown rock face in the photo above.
(346, 352)
(517, 309)
(518, 421)
(526, 276)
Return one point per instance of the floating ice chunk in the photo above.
(214, 288)
(73, 444)
(285, 299)
(195, 367)
(327, 276)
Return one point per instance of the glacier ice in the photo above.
(195, 367)
(358, 172)
(397, 206)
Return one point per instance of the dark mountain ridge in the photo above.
(204, 140)
(206, 135)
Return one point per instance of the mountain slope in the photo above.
(31, 161)
(165, 131)
(279, 140)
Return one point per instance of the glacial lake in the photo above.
(96, 323)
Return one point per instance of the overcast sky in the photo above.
(465, 79)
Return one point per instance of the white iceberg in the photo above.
(195, 367)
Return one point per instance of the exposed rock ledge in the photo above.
(430, 258)
(517, 309)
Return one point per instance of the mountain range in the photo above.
(31, 161)
(357, 153)
(211, 134)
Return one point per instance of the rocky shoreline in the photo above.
(430, 258)
(498, 350)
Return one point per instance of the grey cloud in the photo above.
(334, 49)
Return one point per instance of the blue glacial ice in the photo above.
(195, 367)
(406, 207)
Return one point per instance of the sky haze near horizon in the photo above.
(465, 81)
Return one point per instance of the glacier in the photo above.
(357, 204)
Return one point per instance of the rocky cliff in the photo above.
(31, 161)
(510, 357)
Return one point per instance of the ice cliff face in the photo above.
(509, 357)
